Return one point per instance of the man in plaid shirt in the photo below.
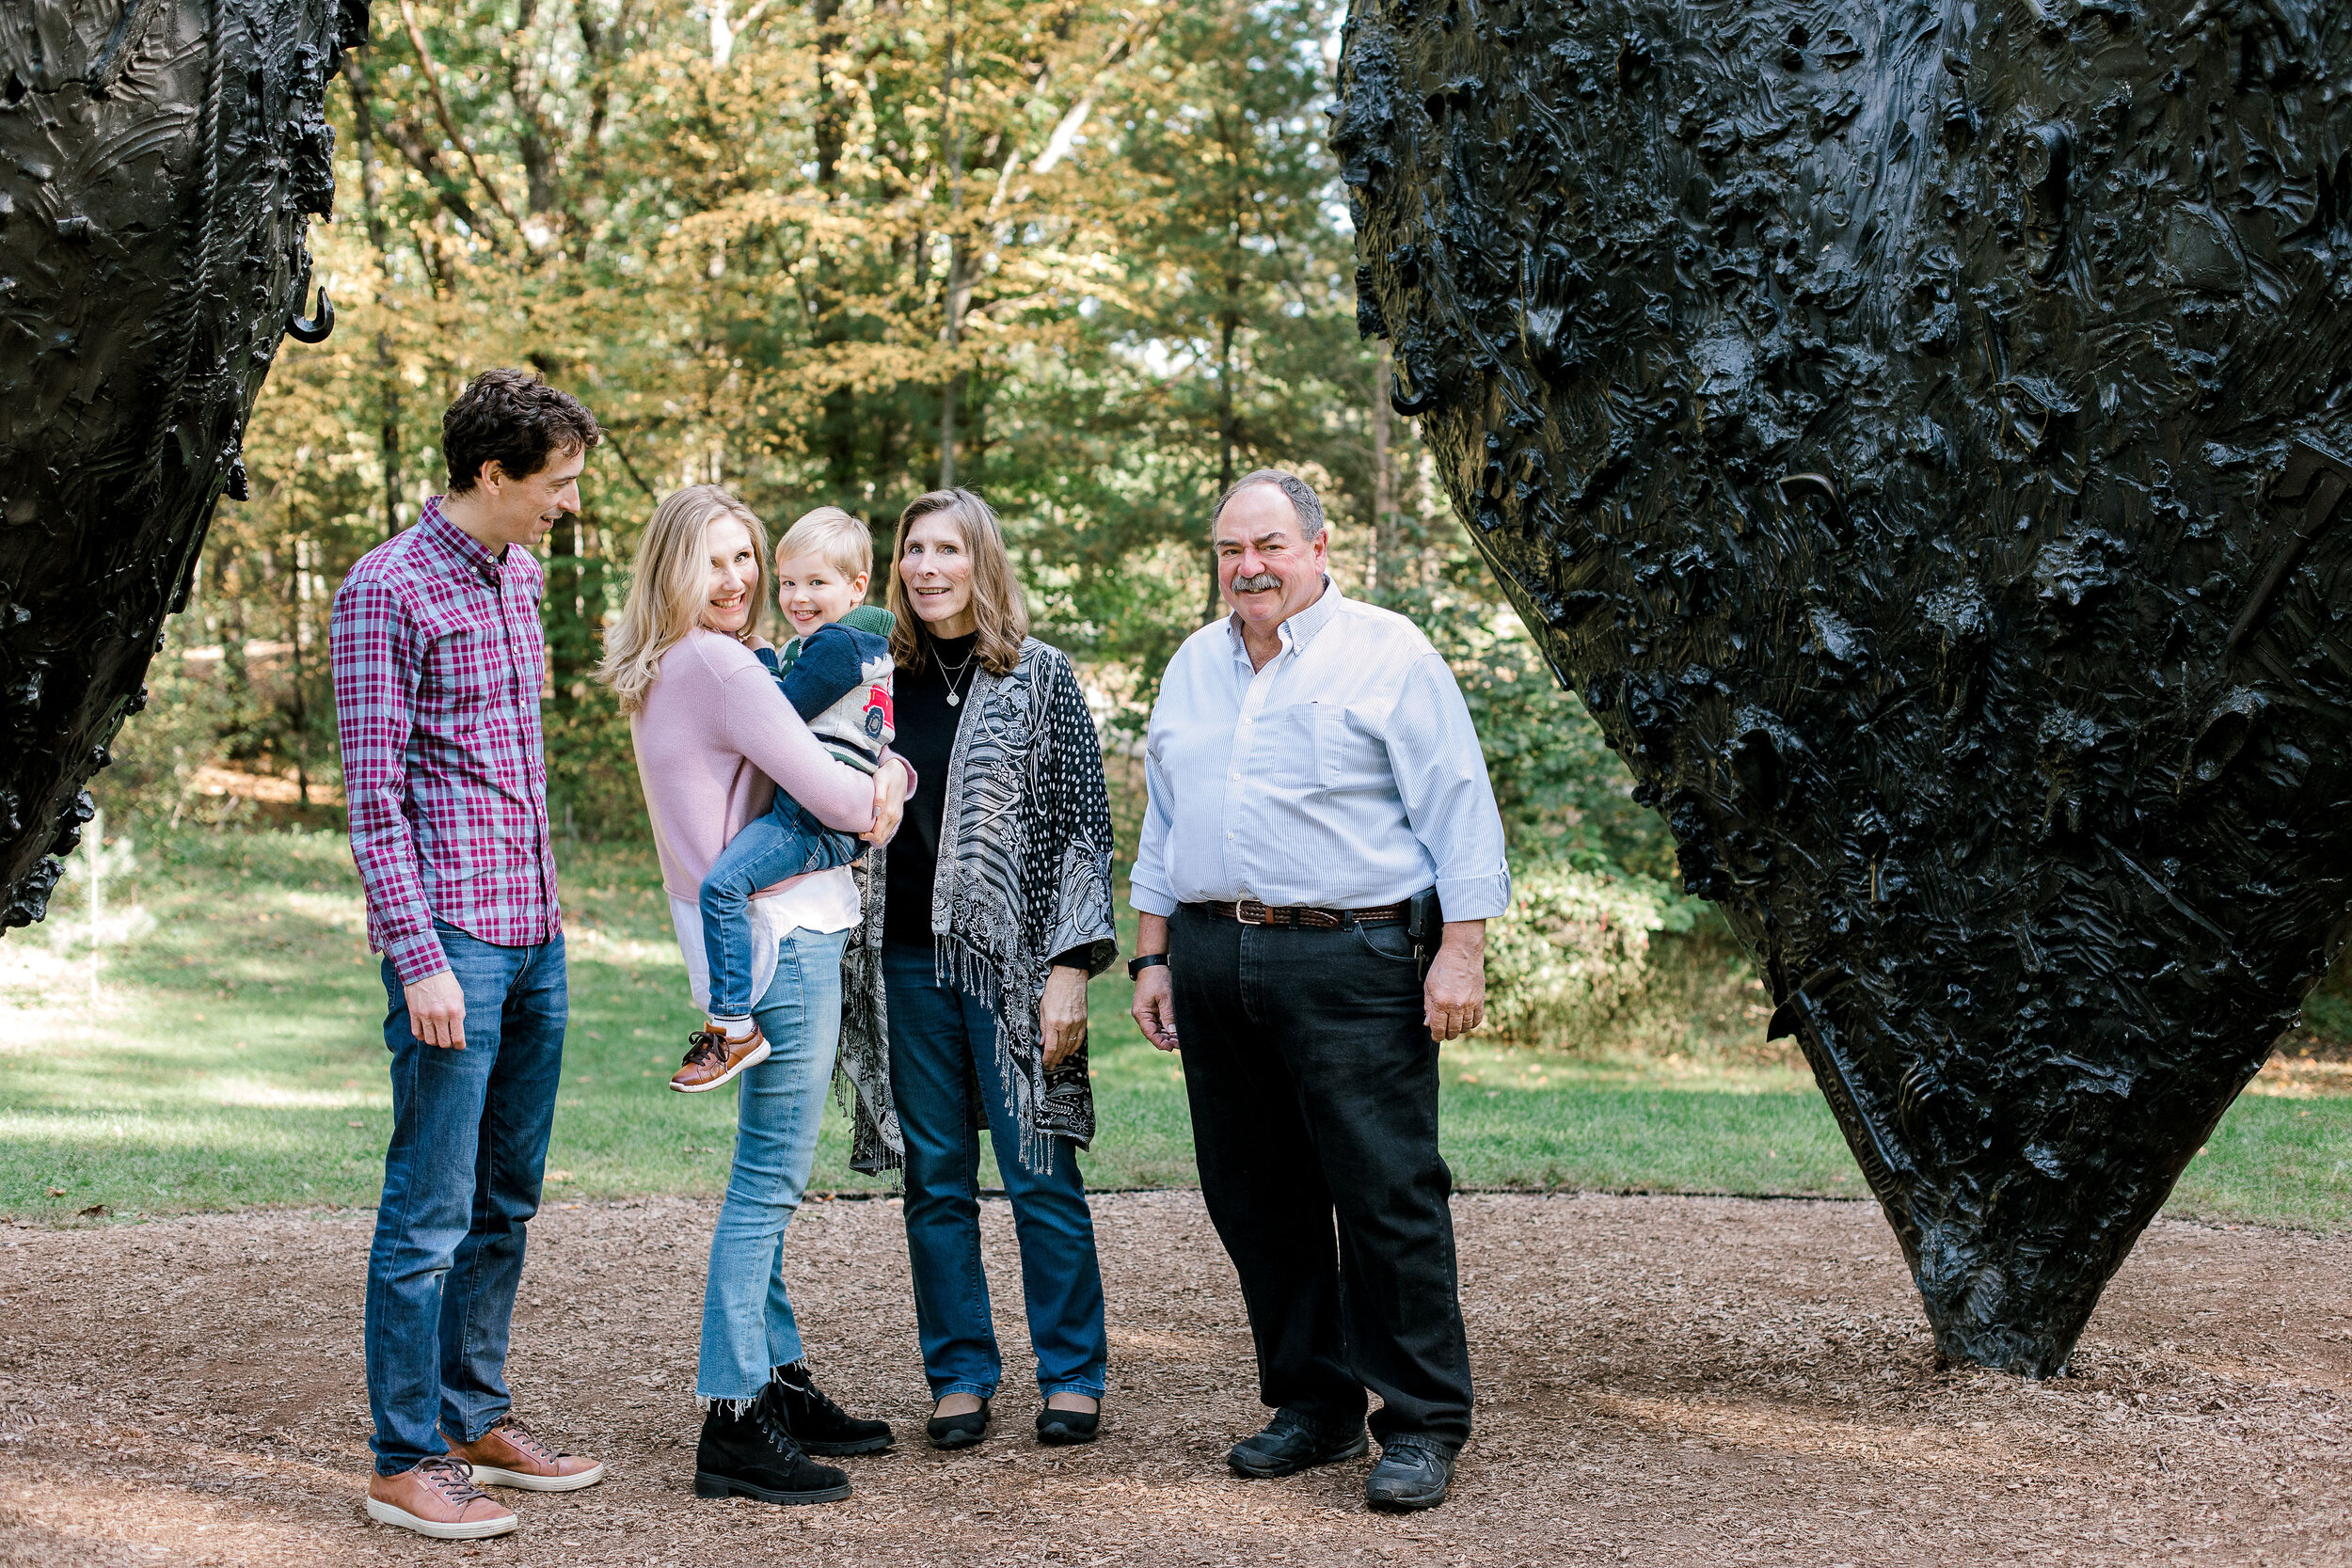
(438, 660)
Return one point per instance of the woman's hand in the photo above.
(1063, 1015)
(890, 801)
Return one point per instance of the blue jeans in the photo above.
(461, 1177)
(786, 841)
(747, 1317)
(943, 1043)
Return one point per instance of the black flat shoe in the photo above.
(957, 1431)
(1290, 1444)
(1413, 1474)
(1061, 1428)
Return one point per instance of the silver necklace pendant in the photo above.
(954, 700)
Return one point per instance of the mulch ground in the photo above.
(1660, 1381)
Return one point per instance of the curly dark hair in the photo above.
(515, 418)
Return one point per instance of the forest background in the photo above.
(1092, 260)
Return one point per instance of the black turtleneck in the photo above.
(926, 737)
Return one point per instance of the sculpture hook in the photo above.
(1822, 485)
(312, 329)
(1409, 403)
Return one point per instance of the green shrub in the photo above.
(1572, 955)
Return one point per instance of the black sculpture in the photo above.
(1918, 431)
(159, 161)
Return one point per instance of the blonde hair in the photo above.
(833, 536)
(997, 602)
(669, 585)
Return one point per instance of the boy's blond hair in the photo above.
(833, 536)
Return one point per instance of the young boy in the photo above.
(836, 674)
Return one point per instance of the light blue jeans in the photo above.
(747, 1317)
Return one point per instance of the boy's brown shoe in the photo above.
(712, 1059)
(509, 1455)
(435, 1497)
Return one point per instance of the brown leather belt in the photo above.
(1299, 917)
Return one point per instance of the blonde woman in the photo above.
(715, 738)
(998, 911)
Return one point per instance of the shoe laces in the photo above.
(524, 1438)
(775, 1426)
(818, 1401)
(704, 1046)
(451, 1478)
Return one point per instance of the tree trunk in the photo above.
(1385, 550)
(371, 199)
(837, 439)
(1228, 322)
(959, 285)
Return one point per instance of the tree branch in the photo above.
(448, 122)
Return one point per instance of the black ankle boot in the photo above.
(819, 1425)
(753, 1455)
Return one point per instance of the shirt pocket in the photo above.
(469, 675)
(1298, 746)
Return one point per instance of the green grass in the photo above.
(235, 1058)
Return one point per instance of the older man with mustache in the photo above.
(1320, 859)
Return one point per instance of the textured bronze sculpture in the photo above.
(1918, 430)
(159, 163)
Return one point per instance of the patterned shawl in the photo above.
(1025, 875)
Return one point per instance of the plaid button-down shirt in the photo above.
(438, 659)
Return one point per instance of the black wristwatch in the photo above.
(1141, 961)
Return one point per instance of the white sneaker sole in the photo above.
(728, 1077)
(490, 1475)
(385, 1513)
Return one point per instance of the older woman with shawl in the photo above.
(997, 913)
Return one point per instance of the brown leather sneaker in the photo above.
(509, 1455)
(435, 1497)
(712, 1059)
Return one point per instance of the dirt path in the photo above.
(1661, 1380)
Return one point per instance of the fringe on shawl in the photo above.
(957, 963)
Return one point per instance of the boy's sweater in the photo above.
(838, 678)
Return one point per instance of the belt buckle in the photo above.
(1249, 912)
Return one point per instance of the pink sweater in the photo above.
(715, 740)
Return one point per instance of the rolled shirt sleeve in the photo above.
(378, 663)
(1441, 778)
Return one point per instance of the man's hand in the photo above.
(1454, 997)
(436, 1011)
(1063, 1015)
(1154, 1007)
(890, 801)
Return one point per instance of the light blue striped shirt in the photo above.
(1344, 774)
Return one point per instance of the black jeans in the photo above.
(1313, 1085)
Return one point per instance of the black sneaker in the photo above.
(1414, 1473)
(819, 1425)
(753, 1455)
(1290, 1444)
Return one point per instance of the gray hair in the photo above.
(1302, 498)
